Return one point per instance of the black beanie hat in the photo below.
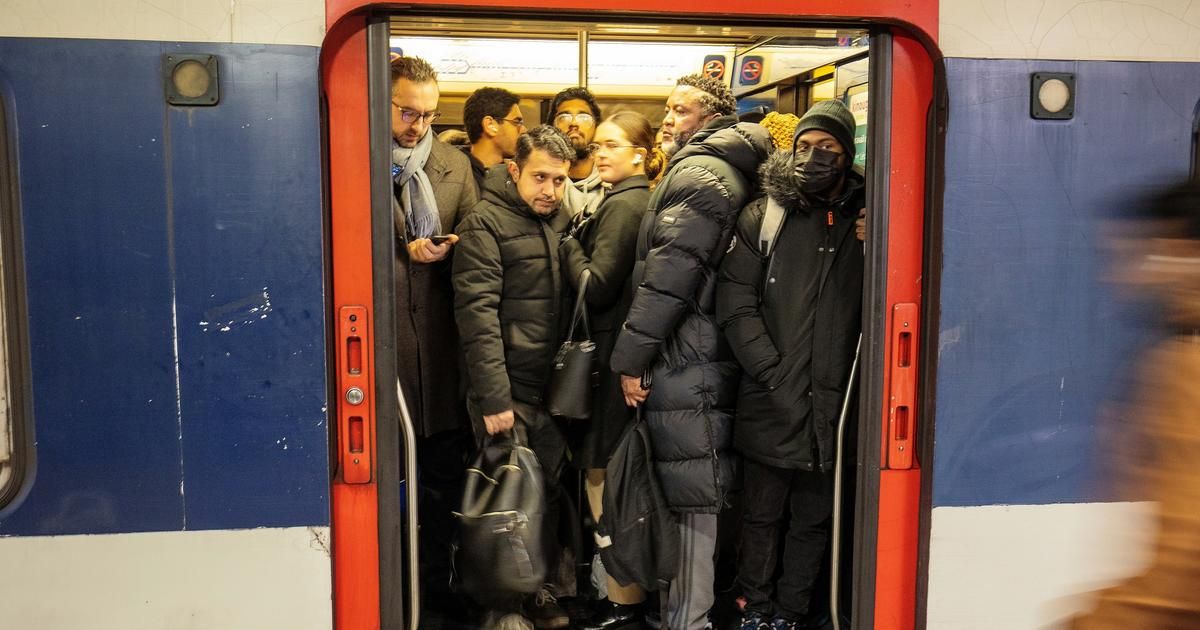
(835, 119)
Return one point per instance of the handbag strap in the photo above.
(579, 314)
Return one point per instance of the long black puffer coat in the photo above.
(508, 296)
(793, 320)
(671, 330)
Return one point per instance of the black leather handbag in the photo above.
(575, 373)
(502, 537)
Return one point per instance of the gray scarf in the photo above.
(416, 192)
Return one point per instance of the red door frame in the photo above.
(344, 80)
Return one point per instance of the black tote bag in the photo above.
(575, 373)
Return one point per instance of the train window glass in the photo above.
(12, 459)
(628, 66)
(1196, 144)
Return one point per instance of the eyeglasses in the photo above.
(609, 146)
(519, 123)
(410, 116)
(567, 118)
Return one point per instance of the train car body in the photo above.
(179, 283)
(176, 460)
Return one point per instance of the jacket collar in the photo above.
(776, 177)
(629, 183)
(435, 166)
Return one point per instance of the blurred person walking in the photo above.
(1161, 444)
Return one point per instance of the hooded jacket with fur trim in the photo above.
(792, 320)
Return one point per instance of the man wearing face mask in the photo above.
(792, 316)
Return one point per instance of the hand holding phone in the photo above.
(432, 249)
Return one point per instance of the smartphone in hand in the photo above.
(438, 239)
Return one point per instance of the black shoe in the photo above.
(543, 610)
(613, 617)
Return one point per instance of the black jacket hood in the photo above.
(775, 174)
(742, 145)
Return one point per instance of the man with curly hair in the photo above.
(696, 101)
(575, 113)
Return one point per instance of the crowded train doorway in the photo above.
(631, 65)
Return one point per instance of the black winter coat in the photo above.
(508, 296)
(794, 330)
(671, 331)
(426, 340)
(606, 245)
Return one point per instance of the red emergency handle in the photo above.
(902, 391)
(356, 446)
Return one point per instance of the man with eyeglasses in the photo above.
(576, 114)
(792, 316)
(493, 121)
(432, 192)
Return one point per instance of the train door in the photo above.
(371, 566)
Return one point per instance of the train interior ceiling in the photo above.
(633, 66)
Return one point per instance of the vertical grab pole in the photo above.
(836, 525)
(410, 508)
(583, 59)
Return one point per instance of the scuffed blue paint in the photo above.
(142, 221)
(1033, 346)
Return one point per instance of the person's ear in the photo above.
(490, 126)
(641, 155)
(514, 171)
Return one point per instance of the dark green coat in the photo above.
(508, 296)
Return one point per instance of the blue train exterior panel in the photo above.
(175, 289)
(1033, 345)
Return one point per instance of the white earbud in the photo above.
(637, 159)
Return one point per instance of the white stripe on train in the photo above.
(1026, 567)
(300, 22)
(253, 579)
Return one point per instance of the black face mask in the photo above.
(817, 171)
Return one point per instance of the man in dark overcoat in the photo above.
(433, 190)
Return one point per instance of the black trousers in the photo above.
(441, 470)
(771, 496)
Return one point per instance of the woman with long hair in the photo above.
(604, 244)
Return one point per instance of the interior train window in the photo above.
(14, 456)
(1196, 144)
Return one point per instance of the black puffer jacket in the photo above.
(671, 330)
(508, 296)
(793, 332)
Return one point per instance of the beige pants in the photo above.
(617, 594)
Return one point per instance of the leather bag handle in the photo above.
(579, 313)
